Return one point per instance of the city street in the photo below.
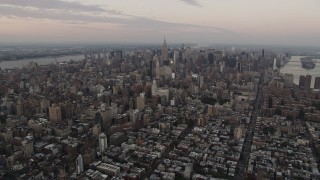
(244, 158)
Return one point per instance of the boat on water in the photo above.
(307, 63)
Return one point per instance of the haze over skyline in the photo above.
(285, 22)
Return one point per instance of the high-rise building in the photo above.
(27, 148)
(308, 82)
(79, 164)
(317, 83)
(164, 52)
(44, 105)
(62, 174)
(150, 69)
(96, 129)
(176, 56)
(237, 133)
(55, 114)
(103, 142)
(154, 88)
(140, 103)
(202, 121)
(157, 69)
(19, 107)
(302, 81)
(275, 64)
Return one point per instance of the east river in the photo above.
(294, 67)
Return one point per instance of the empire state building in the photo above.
(164, 52)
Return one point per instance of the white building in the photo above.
(103, 142)
(79, 164)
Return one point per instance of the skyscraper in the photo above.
(302, 81)
(150, 69)
(317, 83)
(140, 103)
(27, 148)
(19, 107)
(308, 82)
(103, 142)
(55, 114)
(154, 88)
(164, 52)
(275, 64)
(79, 164)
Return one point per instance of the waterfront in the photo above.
(294, 67)
(40, 61)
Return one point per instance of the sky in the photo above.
(271, 22)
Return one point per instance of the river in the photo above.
(294, 67)
(40, 61)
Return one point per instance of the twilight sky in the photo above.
(279, 22)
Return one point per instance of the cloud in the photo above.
(53, 4)
(192, 2)
(128, 21)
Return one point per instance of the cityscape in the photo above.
(158, 107)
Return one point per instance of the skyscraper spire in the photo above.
(164, 51)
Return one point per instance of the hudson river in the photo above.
(294, 67)
(39, 61)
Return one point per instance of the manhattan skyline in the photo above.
(289, 22)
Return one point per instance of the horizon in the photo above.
(138, 44)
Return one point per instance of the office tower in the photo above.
(188, 171)
(231, 62)
(176, 57)
(27, 148)
(130, 103)
(103, 142)
(63, 175)
(172, 102)
(79, 164)
(210, 55)
(44, 105)
(308, 81)
(96, 129)
(302, 80)
(262, 53)
(157, 69)
(140, 103)
(164, 52)
(275, 64)
(317, 83)
(19, 107)
(211, 58)
(151, 69)
(154, 88)
(66, 110)
(237, 133)
(55, 114)
(202, 121)
(238, 66)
